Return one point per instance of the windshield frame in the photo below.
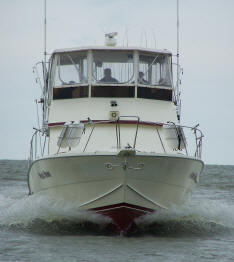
(91, 80)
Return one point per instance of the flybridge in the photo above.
(111, 72)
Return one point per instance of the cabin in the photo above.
(105, 83)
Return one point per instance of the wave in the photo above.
(42, 214)
(194, 217)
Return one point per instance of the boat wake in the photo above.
(40, 214)
(47, 215)
(209, 217)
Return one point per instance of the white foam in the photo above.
(25, 209)
(203, 211)
(28, 208)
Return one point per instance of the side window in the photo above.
(154, 70)
(71, 69)
(70, 75)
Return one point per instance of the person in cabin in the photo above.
(107, 77)
(141, 79)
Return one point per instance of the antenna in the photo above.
(145, 38)
(45, 105)
(125, 35)
(45, 32)
(154, 37)
(178, 67)
(178, 51)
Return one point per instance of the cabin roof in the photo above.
(119, 48)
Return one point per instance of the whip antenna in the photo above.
(45, 32)
(178, 101)
(178, 50)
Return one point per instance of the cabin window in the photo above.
(70, 75)
(112, 67)
(111, 73)
(154, 70)
(71, 69)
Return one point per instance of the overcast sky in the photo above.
(207, 57)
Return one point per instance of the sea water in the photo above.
(35, 228)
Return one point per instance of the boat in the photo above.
(111, 138)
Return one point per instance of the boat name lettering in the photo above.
(194, 177)
(44, 174)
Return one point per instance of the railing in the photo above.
(180, 136)
(179, 130)
(37, 150)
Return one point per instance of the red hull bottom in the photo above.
(123, 216)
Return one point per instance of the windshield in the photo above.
(112, 67)
(71, 69)
(111, 73)
(154, 70)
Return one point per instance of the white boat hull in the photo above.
(92, 182)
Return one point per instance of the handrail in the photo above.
(179, 129)
(89, 135)
(33, 153)
(118, 130)
(180, 136)
(160, 140)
